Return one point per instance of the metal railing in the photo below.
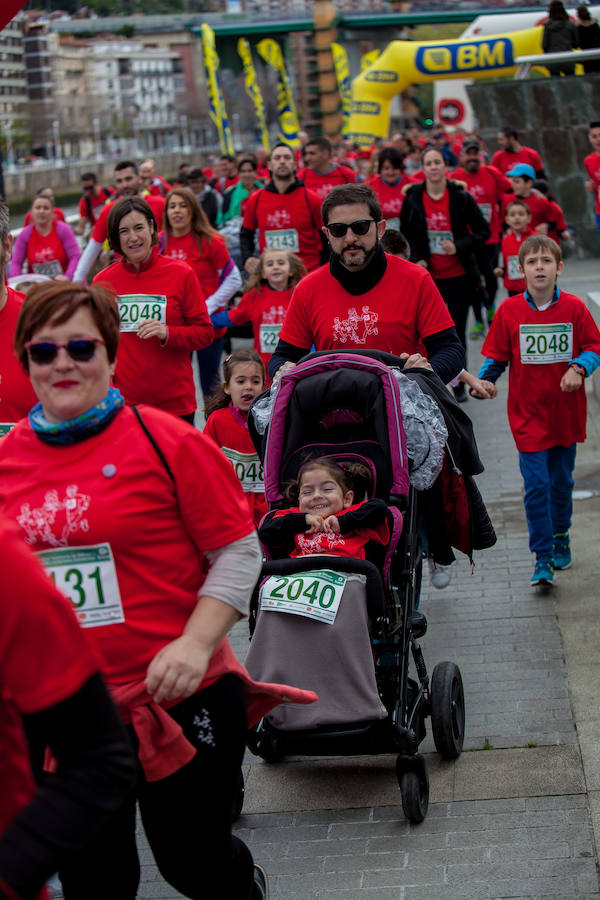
(544, 59)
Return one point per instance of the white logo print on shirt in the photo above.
(274, 316)
(38, 523)
(355, 328)
(280, 218)
(316, 544)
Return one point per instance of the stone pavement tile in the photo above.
(519, 773)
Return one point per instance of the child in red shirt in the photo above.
(266, 300)
(518, 219)
(551, 343)
(227, 423)
(326, 520)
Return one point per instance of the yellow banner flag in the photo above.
(286, 108)
(217, 110)
(253, 90)
(342, 71)
(367, 59)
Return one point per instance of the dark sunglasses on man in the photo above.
(359, 227)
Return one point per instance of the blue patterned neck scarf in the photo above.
(81, 427)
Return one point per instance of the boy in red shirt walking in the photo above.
(552, 343)
(518, 219)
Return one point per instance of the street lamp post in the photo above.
(97, 138)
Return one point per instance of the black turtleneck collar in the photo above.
(365, 280)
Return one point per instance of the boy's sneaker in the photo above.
(477, 331)
(440, 575)
(561, 550)
(490, 315)
(543, 572)
(260, 887)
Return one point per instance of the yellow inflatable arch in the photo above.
(407, 62)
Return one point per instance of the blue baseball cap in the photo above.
(523, 170)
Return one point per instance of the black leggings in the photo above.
(186, 817)
(457, 293)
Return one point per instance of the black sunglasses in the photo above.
(339, 229)
(42, 353)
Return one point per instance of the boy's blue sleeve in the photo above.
(589, 360)
(492, 369)
(221, 319)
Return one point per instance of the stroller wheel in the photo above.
(264, 743)
(447, 710)
(414, 787)
(238, 797)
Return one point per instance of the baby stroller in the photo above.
(347, 406)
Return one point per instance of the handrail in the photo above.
(542, 59)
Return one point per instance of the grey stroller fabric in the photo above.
(334, 660)
(426, 432)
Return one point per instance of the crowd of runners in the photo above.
(143, 507)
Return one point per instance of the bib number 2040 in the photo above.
(87, 576)
(315, 595)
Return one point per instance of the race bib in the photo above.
(436, 239)
(87, 576)
(51, 268)
(514, 273)
(486, 211)
(393, 223)
(136, 308)
(284, 239)
(543, 344)
(5, 427)
(248, 469)
(315, 595)
(269, 336)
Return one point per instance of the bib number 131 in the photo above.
(87, 576)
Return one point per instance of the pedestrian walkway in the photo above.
(514, 816)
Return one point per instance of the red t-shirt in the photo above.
(156, 204)
(57, 214)
(538, 206)
(539, 413)
(558, 222)
(592, 164)
(113, 489)
(228, 427)
(505, 160)
(147, 370)
(510, 246)
(403, 308)
(160, 187)
(265, 309)
(487, 187)
(437, 216)
(96, 201)
(44, 659)
(45, 253)
(351, 544)
(206, 262)
(17, 396)
(322, 184)
(391, 197)
(290, 221)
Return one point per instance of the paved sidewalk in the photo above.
(514, 816)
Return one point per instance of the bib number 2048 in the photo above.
(87, 576)
(136, 308)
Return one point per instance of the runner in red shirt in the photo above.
(152, 182)
(227, 424)
(389, 185)
(226, 173)
(592, 165)
(128, 184)
(61, 700)
(512, 152)
(266, 300)
(551, 343)
(286, 214)
(486, 184)
(365, 299)
(48, 246)
(518, 221)
(558, 229)
(94, 198)
(57, 213)
(320, 173)
(522, 178)
(162, 311)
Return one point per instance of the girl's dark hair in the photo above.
(584, 13)
(556, 10)
(200, 226)
(354, 477)
(220, 400)
(517, 203)
(428, 149)
(391, 155)
(297, 271)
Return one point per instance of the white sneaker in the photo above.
(440, 575)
